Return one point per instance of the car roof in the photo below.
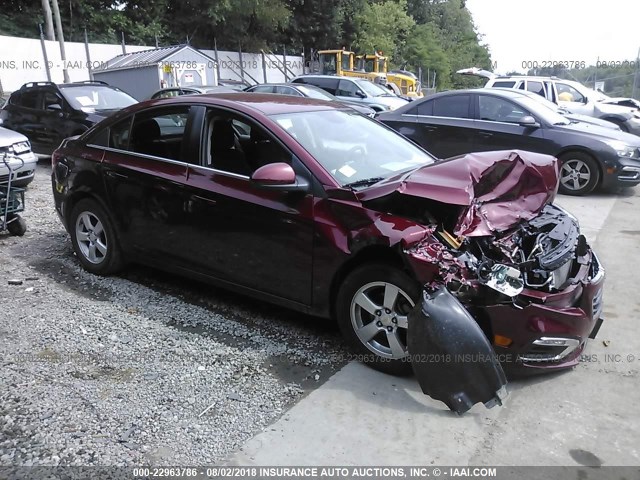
(265, 103)
(277, 84)
(500, 92)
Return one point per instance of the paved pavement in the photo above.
(586, 416)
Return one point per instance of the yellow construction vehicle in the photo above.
(341, 62)
(377, 63)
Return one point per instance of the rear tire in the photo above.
(94, 238)
(372, 307)
(579, 174)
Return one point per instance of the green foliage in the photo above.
(437, 36)
(383, 26)
(424, 50)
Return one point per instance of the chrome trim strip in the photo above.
(570, 343)
(141, 155)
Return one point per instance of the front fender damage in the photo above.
(451, 356)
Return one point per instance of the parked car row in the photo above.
(464, 121)
(570, 95)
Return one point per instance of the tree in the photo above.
(383, 26)
(424, 50)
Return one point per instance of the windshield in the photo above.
(549, 115)
(373, 89)
(351, 147)
(315, 93)
(90, 98)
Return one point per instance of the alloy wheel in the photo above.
(379, 318)
(575, 174)
(91, 237)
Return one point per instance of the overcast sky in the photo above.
(557, 30)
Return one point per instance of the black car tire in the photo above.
(103, 263)
(17, 227)
(584, 163)
(371, 279)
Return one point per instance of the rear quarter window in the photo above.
(503, 84)
(328, 84)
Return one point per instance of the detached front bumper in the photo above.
(549, 331)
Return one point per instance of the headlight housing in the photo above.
(624, 150)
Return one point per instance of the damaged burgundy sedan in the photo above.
(452, 267)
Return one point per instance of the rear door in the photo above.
(498, 127)
(145, 171)
(445, 126)
(57, 120)
(25, 117)
(241, 234)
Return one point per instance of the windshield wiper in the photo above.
(365, 182)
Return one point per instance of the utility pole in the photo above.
(44, 53)
(635, 77)
(48, 20)
(63, 57)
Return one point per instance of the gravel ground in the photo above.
(139, 369)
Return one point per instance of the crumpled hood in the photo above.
(497, 189)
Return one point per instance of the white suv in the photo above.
(572, 96)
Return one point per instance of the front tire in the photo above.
(372, 308)
(94, 238)
(579, 174)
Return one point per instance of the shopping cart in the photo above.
(11, 198)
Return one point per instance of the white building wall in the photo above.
(22, 61)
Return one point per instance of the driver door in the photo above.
(241, 234)
(498, 128)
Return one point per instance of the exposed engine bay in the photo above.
(540, 254)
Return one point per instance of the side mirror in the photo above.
(528, 121)
(360, 94)
(279, 176)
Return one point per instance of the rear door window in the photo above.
(453, 106)
(504, 84)
(536, 87)
(160, 132)
(263, 89)
(31, 99)
(328, 84)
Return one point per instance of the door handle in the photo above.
(111, 173)
(485, 134)
(430, 129)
